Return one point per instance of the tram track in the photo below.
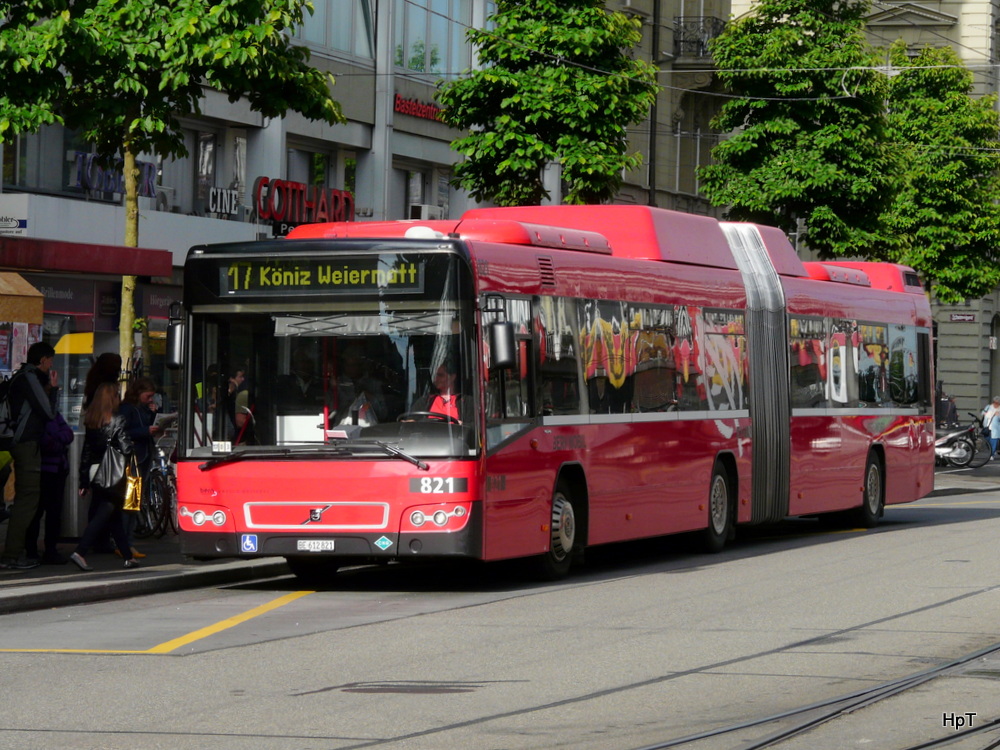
(812, 716)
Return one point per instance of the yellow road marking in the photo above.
(281, 601)
(172, 645)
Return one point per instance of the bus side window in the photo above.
(558, 366)
(515, 384)
(507, 394)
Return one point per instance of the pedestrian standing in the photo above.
(991, 424)
(107, 368)
(138, 409)
(54, 445)
(104, 429)
(29, 401)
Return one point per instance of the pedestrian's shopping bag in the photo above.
(133, 486)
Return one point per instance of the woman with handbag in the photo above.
(107, 450)
(138, 409)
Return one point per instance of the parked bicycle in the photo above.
(158, 515)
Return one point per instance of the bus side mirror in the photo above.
(175, 338)
(503, 351)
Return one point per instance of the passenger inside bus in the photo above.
(356, 393)
(301, 390)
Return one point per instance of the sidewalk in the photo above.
(163, 569)
(952, 481)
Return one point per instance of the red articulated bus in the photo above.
(528, 382)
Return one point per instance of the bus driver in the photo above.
(445, 399)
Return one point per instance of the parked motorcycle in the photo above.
(962, 446)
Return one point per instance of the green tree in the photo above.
(944, 219)
(557, 85)
(122, 72)
(808, 141)
(29, 45)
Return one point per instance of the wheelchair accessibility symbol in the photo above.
(248, 543)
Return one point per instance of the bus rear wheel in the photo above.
(720, 511)
(556, 563)
(313, 570)
(873, 494)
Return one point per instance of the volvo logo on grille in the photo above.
(316, 514)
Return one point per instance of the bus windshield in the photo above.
(376, 374)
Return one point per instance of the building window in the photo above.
(318, 168)
(239, 181)
(350, 173)
(311, 168)
(13, 167)
(414, 188)
(342, 25)
(430, 36)
(54, 160)
(205, 175)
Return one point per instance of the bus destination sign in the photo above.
(311, 276)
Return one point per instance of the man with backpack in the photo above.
(31, 408)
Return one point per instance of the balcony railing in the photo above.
(693, 33)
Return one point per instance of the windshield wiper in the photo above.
(282, 453)
(393, 451)
(230, 458)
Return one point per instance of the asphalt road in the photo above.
(650, 643)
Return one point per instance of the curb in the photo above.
(27, 597)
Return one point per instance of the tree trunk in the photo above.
(126, 319)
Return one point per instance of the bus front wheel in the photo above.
(556, 563)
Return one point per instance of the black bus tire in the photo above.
(556, 562)
(872, 494)
(720, 511)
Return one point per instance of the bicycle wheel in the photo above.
(156, 503)
(144, 522)
(982, 454)
(170, 506)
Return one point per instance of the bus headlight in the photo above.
(200, 517)
(438, 517)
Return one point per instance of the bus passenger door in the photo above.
(517, 488)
